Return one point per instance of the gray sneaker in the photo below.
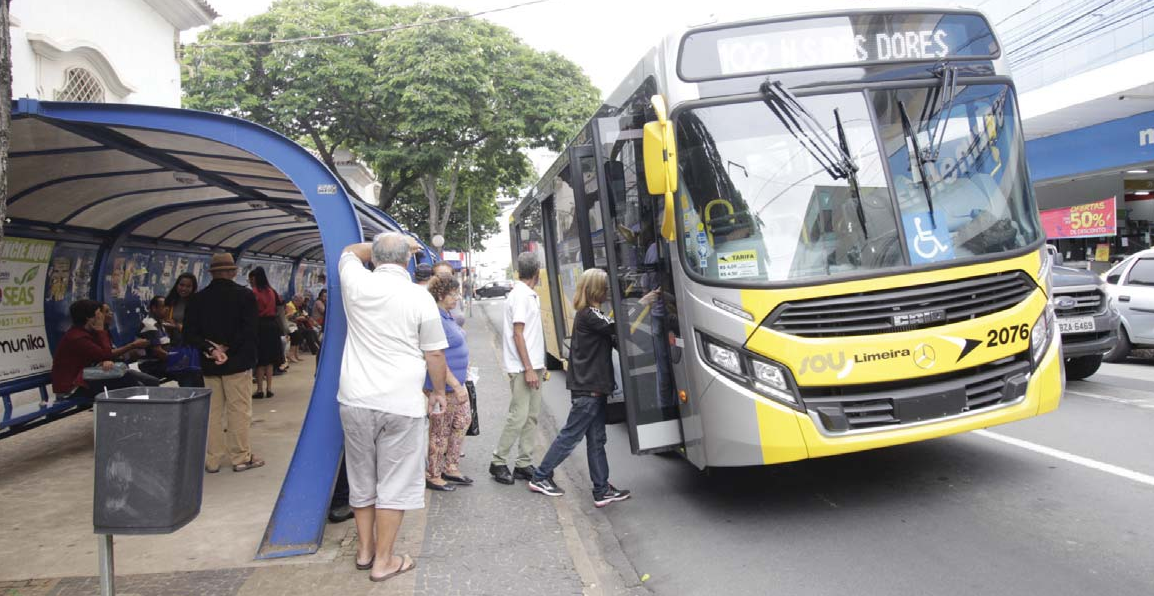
(546, 486)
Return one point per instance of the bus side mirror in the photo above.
(654, 148)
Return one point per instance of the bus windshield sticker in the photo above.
(739, 263)
(928, 243)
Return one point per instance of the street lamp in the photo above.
(438, 242)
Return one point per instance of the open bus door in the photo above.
(638, 266)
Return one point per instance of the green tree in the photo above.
(441, 111)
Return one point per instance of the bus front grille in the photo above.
(901, 309)
(875, 405)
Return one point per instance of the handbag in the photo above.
(281, 318)
(97, 373)
(182, 359)
(474, 425)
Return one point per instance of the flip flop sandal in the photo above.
(252, 462)
(366, 566)
(402, 569)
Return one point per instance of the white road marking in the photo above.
(1070, 457)
(1141, 403)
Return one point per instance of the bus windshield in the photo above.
(758, 207)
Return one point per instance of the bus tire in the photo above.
(1080, 368)
(615, 413)
(1121, 349)
(552, 363)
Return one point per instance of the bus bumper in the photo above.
(783, 434)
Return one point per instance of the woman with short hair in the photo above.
(447, 432)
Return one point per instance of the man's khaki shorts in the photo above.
(385, 458)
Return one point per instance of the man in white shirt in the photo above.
(524, 356)
(394, 333)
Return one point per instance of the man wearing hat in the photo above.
(221, 319)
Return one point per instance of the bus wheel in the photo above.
(552, 363)
(1080, 368)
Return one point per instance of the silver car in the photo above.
(1130, 285)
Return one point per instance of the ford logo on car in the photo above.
(1065, 302)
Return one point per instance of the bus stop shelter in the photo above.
(141, 194)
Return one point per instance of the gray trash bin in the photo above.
(149, 459)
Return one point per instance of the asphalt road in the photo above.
(1056, 505)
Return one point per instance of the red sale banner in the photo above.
(1091, 219)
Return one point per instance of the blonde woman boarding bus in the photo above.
(590, 382)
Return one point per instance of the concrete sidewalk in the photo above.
(482, 539)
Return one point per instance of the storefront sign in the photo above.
(1080, 221)
(1102, 253)
(23, 338)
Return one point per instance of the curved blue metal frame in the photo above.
(298, 519)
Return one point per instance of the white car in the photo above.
(1130, 285)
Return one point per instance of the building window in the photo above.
(80, 85)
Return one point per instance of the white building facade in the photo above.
(109, 51)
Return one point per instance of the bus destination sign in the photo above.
(859, 39)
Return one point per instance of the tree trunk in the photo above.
(5, 109)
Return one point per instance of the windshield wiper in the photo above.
(917, 158)
(942, 99)
(851, 175)
(807, 130)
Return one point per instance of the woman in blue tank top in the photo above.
(447, 432)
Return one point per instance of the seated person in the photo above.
(155, 359)
(87, 344)
(305, 333)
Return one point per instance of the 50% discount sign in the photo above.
(1093, 219)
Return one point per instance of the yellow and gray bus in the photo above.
(821, 238)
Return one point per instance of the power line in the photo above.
(1028, 7)
(1099, 28)
(228, 44)
(1068, 23)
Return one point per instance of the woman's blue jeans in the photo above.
(586, 419)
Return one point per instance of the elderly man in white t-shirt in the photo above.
(394, 334)
(524, 356)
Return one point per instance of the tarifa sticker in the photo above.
(740, 263)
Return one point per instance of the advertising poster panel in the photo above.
(69, 279)
(24, 347)
(1081, 221)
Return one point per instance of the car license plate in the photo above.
(1076, 324)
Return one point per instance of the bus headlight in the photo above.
(751, 370)
(770, 380)
(723, 357)
(1042, 334)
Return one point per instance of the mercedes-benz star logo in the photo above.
(924, 356)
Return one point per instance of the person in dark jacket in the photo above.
(590, 382)
(221, 320)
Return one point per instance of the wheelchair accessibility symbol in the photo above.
(927, 242)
